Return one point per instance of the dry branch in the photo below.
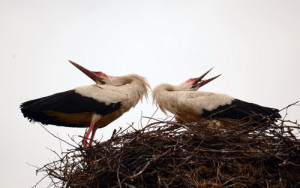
(171, 154)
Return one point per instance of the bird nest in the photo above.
(172, 154)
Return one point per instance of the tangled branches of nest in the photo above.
(171, 154)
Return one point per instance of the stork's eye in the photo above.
(194, 86)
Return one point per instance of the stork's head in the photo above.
(99, 77)
(193, 84)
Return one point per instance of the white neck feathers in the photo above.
(136, 88)
(128, 90)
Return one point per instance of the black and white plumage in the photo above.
(190, 105)
(92, 106)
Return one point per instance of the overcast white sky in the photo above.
(254, 44)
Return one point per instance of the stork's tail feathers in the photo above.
(34, 110)
(263, 114)
(266, 115)
(31, 111)
(244, 111)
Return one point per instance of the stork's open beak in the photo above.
(199, 82)
(89, 73)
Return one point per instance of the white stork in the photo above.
(190, 105)
(92, 106)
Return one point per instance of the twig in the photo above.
(57, 136)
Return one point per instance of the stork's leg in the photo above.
(95, 118)
(84, 141)
(92, 137)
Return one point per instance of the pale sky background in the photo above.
(255, 45)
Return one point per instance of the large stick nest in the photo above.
(171, 154)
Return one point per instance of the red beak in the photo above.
(87, 72)
(199, 82)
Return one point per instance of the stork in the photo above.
(221, 110)
(92, 106)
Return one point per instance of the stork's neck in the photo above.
(132, 90)
(161, 96)
(136, 89)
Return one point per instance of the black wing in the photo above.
(68, 102)
(243, 110)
